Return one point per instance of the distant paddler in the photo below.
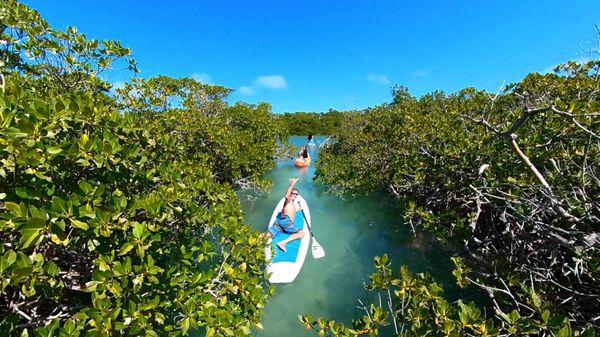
(303, 158)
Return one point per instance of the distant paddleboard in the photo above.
(285, 266)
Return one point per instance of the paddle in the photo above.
(317, 251)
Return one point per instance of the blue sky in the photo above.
(316, 55)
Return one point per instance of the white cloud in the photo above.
(423, 72)
(244, 90)
(271, 82)
(203, 78)
(378, 78)
(274, 82)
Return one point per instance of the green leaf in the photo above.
(85, 187)
(514, 316)
(51, 268)
(14, 133)
(151, 333)
(36, 212)
(54, 150)
(125, 249)
(537, 303)
(83, 162)
(31, 231)
(227, 331)
(87, 211)
(59, 205)
(138, 230)
(12, 207)
(565, 331)
(7, 260)
(23, 193)
(545, 316)
(79, 224)
(90, 286)
(69, 326)
(10, 257)
(185, 326)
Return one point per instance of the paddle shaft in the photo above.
(305, 219)
(317, 250)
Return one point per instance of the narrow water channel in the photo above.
(352, 232)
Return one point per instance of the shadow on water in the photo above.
(352, 232)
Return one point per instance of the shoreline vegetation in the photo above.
(312, 123)
(510, 176)
(118, 212)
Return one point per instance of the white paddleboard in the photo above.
(284, 267)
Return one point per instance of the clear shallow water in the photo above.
(352, 232)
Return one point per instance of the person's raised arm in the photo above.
(288, 192)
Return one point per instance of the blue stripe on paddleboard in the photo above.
(292, 248)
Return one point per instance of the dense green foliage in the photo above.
(119, 218)
(161, 94)
(414, 305)
(62, 60)
(512, 177)
(237, 141)
(312, 123)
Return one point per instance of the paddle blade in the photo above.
(317, 251)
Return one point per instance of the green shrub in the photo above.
(511, 177)
(106, 229)
(62, 61)
(311, 123)
(118, 217)
(414, 305)
(237, 141)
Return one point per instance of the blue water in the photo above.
(352, 231)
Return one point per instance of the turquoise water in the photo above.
(352, 232)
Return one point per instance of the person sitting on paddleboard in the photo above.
(285, 224)
(303, 154)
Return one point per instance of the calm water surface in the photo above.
(352, 232)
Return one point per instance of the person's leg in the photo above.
(272, 232)
(298, 235)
